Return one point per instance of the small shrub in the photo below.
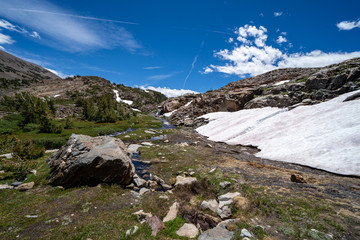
(69, 123)
(49, 143)
(30, 127)
(27, 150)
(48, 125)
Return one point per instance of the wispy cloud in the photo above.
(14, 28)
(168, 91)
(348, 25)
(151, 68)
(72, 15)
(62, 29)
(162, 76)
(278, 14)
(193, 63)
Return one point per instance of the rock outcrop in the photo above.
(86, 160)
(279, 88)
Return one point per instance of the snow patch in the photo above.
(57, 95)
(188, 103)
(136, 110)
(281, 82)
(324, 136)
(118, 99)
(169, 113)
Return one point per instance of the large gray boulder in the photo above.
(86, 160)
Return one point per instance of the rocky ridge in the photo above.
(279, 88)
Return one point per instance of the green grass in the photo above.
(52, 140)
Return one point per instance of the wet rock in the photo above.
(211, 204)
(156, 225)
(85, 160)
(188, 230)
(173, 211)
(25, 186)
(297, 178)
(180, 180)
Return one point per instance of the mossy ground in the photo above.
(278, 208)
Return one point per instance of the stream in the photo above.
(142, 168)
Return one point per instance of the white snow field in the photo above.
(323, 136)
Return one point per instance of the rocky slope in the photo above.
(279, 88)
(17, 75)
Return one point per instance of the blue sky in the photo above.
(194, 45)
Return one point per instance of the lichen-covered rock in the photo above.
(86, 160)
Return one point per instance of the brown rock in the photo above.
(156, 225)
(25, 186)
(297, 178)
(241, 203)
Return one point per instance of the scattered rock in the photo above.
(31, 216)
(138, 181)
(133, 148)
(217, 233)
(149, 144)
(144, 191)
(131, 231)
(188, 230)
(25, 186)
(33, 171)
(164, 197)
(211, 204)
(228, 196)
(212, 170)
(315, 234)
(224, 212)
(149, 132)
(225, 184)
(183, 144)
(5, 186)
(209, 145)
(297, 178)
(245, 233)
(171, 215)
(180, 180)
(141, 215)
(156, 224)
(86, 160)
(166, 187)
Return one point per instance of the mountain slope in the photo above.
(17, 75)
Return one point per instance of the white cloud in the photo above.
(278, 14)
(9, 26)
(60, 28)
(281, 40)
(231, 40)
(35, 35)
(169, 92)
(5, 39)
(283, 33)
(252, 58)
(348, 25)
(2, 48)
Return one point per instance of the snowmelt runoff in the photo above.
(323, 136)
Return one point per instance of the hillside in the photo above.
(279, 88)
(17, 75)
